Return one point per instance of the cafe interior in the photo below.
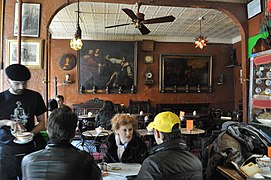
(193, 58)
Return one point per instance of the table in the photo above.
(190, 134)
(144, 132)
(94, 133)
(193, 131)
(85, 116)
(126, 169)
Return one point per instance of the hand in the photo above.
(15, 126)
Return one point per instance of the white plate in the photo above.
(20, 142)
(259, 81)
(258, 90)
(267, 91)
(268, 82)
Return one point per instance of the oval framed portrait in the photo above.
(67, 62)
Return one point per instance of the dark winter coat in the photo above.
(135, 152)
(171, 160)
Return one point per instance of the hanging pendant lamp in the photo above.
(76, 43)
(200, 40)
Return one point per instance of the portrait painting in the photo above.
(67, 62)
(107, 66)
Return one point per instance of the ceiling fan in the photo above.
(139, 21)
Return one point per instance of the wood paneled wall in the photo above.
(223, 96)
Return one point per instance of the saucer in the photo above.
(22, 142)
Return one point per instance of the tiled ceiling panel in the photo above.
(94, 17)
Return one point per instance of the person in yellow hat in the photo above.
(170, 159)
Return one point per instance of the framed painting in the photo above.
(107, 67)
(30, 20)
(185, 73)
(31, 53)
(254, 8)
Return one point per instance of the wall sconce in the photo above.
(175, 89)
(220, 80)
(198, 89)
(242, 80)
(93, 89)
(186, 88)
(120, 90)
(132, 89)
(81, 89)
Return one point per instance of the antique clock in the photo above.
(148, 59)
(149, 77)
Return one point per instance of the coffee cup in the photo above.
(24, 136)
(263, 162)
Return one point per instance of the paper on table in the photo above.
(189, 125)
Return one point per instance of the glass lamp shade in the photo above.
(200, 42)
(76, 44)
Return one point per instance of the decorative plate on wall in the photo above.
(67, 62)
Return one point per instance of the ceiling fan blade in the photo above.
(130, 13)
(118, 25)
(144, 30)
(159, 20)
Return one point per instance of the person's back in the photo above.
(105, 115)
(170, 159)
(60, 160)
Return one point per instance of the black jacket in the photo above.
(103, 119)
(61, 161)
(171, 160)
(135, 152)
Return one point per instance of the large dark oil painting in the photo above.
(107, 67)
(185, 73)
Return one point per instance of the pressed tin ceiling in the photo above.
(94, 17)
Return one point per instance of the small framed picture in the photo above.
(31, 53)
(30, 20)
(254, 8)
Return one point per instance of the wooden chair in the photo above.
(136, 106)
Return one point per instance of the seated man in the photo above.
(59, 159)
(170, 159)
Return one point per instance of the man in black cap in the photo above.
(18, 108)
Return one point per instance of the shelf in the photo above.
(261, 103)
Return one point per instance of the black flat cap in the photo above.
(18, 72)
